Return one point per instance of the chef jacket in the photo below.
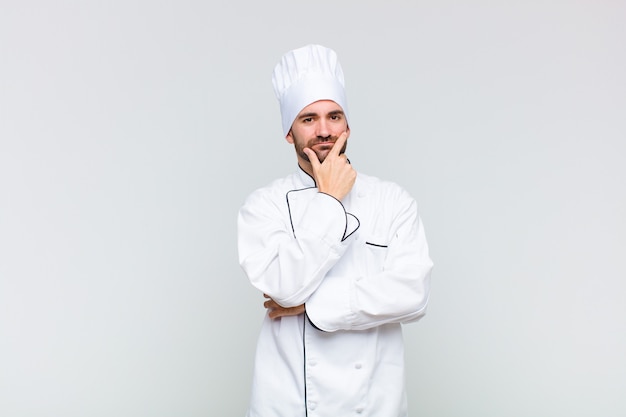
(361, 267)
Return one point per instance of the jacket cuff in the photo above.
(329, 307)
(320, 214)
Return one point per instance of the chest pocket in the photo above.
(376, 249)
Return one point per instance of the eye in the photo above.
(307, 120)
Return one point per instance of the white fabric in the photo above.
(306, 75)
(362, 267)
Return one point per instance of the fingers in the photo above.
(283, 312)
(274, 314)
(276, 310)
(338, 146)
(271, 304)
(335, 151)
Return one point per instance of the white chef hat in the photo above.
(306, 75)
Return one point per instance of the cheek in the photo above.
(299, 137)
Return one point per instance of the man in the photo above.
(340, 257)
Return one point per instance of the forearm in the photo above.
(292, 271)
(289, 265)
(376, 285)
(359, 302)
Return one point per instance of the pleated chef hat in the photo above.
(306, 75)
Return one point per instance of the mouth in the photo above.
(325, 144)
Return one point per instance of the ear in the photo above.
(348, 131)
(289, 137)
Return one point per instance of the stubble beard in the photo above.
(321, 155)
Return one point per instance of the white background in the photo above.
(131, 132)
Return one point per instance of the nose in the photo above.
(323, 129)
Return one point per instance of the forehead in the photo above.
(321, 107)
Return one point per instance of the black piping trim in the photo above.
(377, 245)
(311, 322)
(314, 182)
(293, 230)
(345, 229)
(305, 319)
(357, 226)
(306, 408)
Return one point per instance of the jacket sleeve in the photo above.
(287, 245)
(391, 284)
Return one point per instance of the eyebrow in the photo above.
(313, 114)
(305, 115)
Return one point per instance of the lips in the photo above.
(323, 144)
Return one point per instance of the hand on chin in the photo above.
(322, 150)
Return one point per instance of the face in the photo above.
(317, 127)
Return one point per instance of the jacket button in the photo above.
(312, 406)
(312, 363)
(358, 366)
(359, 410)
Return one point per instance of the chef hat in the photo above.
(306, 75)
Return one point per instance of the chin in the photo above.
(322, 155)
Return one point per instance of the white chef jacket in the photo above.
(361, 266)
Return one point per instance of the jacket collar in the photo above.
(305, 178)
